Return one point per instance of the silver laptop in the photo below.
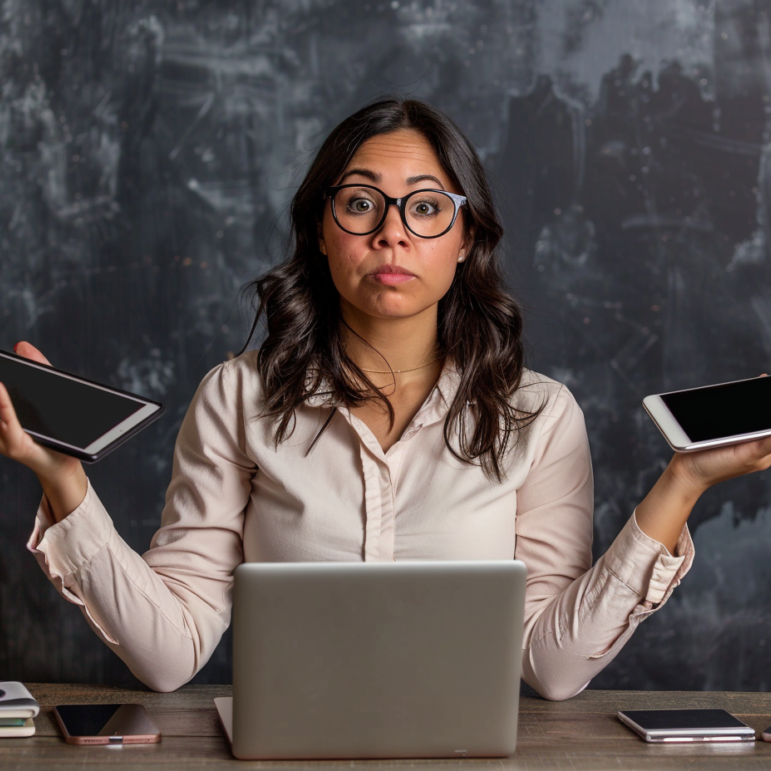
(375, 660)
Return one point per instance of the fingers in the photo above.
(10, 428)
(28, 351)
(6, 408)
(764, 445)
(756, 454)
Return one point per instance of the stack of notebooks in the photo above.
(17, 708)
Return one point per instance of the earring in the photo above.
(322, 248)
(462, 257)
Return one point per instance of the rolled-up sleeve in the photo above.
(165, 611)
(579, 616)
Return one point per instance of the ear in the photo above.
(468, 242)
(322, 245)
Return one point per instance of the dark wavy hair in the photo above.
(479, 324)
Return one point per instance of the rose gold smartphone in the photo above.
(106, 724)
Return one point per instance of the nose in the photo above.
(392, 232)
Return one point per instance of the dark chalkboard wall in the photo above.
(149, 151)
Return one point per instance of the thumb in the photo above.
(28, 351)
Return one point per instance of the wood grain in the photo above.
(580, 734)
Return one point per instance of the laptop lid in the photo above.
(377, 660)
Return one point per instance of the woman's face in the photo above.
(397, 163)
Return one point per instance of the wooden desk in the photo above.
(581, 733)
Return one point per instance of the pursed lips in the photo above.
(391, 274)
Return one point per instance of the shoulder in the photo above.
(554, 399)
(557, 435)
(243, 369)
(536, 389)
(237, 378)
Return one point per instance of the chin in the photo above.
(387, 313)
(397, 310)
(389, 304)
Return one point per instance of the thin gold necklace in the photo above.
(398, 371)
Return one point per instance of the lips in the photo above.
(391, 275)
(393, 269)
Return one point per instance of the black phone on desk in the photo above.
(114, 724)
(686, 725)
(713, 416)
(72, 414)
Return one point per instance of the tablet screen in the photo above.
(62, 408)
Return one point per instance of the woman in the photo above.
(387, 416)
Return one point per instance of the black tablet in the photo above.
(72, 414)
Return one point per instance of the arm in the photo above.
(578, 617)
(667, 507)
(66, 490)
(164, 612)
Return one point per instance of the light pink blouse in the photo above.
(233, 496)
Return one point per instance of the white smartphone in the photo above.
(72, 414)
(714, 415)
(687, 725)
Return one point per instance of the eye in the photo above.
(360, 206)
(425, 207)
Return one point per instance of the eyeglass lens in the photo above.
(360, 210)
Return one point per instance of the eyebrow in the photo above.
(375, 177)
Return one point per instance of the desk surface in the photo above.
(581, 733)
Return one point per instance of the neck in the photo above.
(401, 343)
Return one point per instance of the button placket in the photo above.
(394, 459)
(373, 507)
(381, 474)
(376, 506)
(387, 517)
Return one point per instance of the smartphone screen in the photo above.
(729, 409)
(683, 719)
(115, 723)
(57, 407)
(687, 725)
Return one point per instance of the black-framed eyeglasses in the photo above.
(362, 209)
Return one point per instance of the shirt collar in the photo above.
(323, 395)
(447, 386)
(449, 380)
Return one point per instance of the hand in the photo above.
(17, 444)
(704, 468)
